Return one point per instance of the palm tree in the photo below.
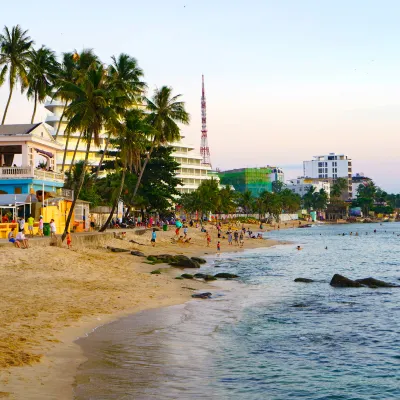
(43, 69)
(124, 77)
(165, 111)
(246, 201)
(130, 142)
(338, 187)
(89, 112)
(74, 69)
(15, 49)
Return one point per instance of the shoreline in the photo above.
(56, 370)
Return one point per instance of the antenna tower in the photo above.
(204, 149)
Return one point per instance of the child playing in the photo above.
(69, 240)
(218, 247)
(53, 229)
(208, 239)
(153, 237)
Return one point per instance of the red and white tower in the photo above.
(204, 149)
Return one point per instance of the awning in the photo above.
(45, 153)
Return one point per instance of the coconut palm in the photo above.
(89, 112)
(165, 112)
(124, 77)
(74, 68)
(15, 49)
(246, 201)
(131, 142)
(43, 69)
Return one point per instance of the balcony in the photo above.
(30, 172)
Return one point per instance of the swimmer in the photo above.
(356, 233)
(299, 248)
(326, 248)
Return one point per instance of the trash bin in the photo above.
(46, 228)
(165, 227)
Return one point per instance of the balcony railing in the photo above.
(30, 172)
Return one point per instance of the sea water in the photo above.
(265, 336)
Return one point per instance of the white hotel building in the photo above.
(191, 171)
(331, 166)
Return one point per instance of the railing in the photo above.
(29, 172)
(16, 172)
(48, 175)
(66, 193)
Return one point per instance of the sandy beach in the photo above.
(52, 295)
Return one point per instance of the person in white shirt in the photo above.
(21, 224)
(20, 238)
(53, 229)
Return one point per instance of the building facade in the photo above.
(302, 185)
(28, 161)
(256, 180)
(331, 166)
(357, 180)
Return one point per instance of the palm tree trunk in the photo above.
(60, 121)
(34, 108)
(8, 103)
(78, 190)
(65, 151)
(75, 151)
(114, 206)
(142, 170)
(103, 154)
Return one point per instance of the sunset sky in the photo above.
(285, 80)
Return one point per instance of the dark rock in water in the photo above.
(226, 275)
(137, 253)
(305, 280)
(184, 262)
(205, 295)
(217, 266)
(187, 276)
(118, 250)
(300, 305)
(375, 283)
(199, 276)
(199, 260)
(342, 281)
(210, 278)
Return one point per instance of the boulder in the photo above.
(226, 275)
(375, 283)
(155, 272)
(199, 260)
(184, 262)
(137, 253)
(205, 295)
(210, 278)
(199, 276)
(118, 250)
(187, 276)
(304, 280)
(342, 281)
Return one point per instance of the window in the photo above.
(326, 164)
(334, 175)
(17, 190)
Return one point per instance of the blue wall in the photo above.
(9, 185)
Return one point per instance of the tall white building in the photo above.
(331, 166)
(302, 185)
(191, 171)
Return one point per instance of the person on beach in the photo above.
(40, 229)
(236, 237)
(208, 238)
(92, 223)
(53, 229)
(185, 231)
(153, 237)
(218, 247)
(69, 240)
(22, 240)
(21, 224)
(241, 239)
(230, 238)
(31, 221)
(11, 238)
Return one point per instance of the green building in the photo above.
(256, 180)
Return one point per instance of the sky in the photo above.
(285, 80)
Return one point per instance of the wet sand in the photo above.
(51, 296)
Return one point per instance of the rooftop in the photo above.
(17, 129)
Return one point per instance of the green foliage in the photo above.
(278, 186)
(337, 189)
(15, 46)
(317, 201)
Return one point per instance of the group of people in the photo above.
(20, 240)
